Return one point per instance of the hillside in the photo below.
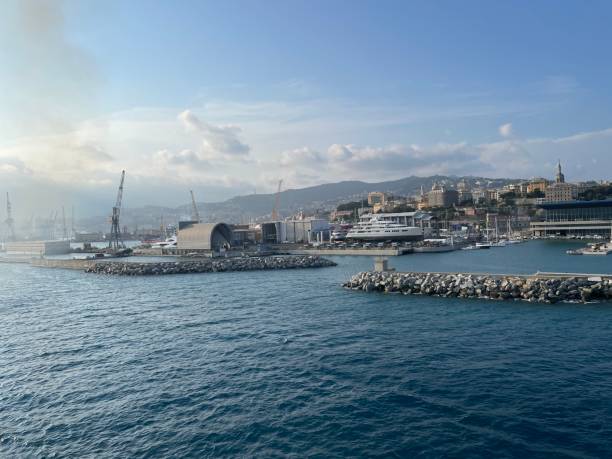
(320, 197)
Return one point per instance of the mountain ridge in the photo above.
(323, 197)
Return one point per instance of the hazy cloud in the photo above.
(218, 142)
(48, 83)
(560, 85)
(183, 158)
(505, 130)
(302, 157)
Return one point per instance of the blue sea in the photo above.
(289, 364)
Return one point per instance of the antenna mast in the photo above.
(195, 215)
(9, 219)
(72, 230)
(115, 243)
(277, 201)
(64, 227)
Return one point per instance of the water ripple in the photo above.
(288, 364)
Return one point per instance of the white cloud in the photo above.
(302, 157)
(505, 130)
(218, 142)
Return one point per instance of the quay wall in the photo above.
(63, 264)
(539, 287)
(374, 252)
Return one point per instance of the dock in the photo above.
(369, 252)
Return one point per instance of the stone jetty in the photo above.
(208, 265)
(541, 289)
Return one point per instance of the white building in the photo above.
(295, 231)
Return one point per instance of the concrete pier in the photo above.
(371, 252)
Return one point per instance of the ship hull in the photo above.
(381, 237)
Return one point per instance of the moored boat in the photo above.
(378, 230)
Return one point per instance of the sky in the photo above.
(226, 98)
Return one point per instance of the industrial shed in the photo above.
(203, 237)
(37, 248)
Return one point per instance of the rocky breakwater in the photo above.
(525, 288)
(209, 265)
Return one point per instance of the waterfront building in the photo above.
(88, 237)
(203, 237)
(578, 218)
(295, 231)
(244, 235)
(37, 248)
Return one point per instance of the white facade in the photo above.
(302, 231)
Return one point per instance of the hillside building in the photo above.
(439, 196)
(560, 191)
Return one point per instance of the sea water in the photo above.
(287, 363)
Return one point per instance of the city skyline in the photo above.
(362, 92)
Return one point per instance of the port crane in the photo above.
(115, 242)
(195, 215)
(10, 223)
(277, 201)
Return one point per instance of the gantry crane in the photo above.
(277, 201)
(195, 215)
(115, 242)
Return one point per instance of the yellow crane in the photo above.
(195, 215)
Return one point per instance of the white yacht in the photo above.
(377, 230)
(170, 242)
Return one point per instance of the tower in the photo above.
(560, 178)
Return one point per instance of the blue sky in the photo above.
(227, 97)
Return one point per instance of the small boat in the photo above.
(483, 245)
(471, 247)
(170, 242)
